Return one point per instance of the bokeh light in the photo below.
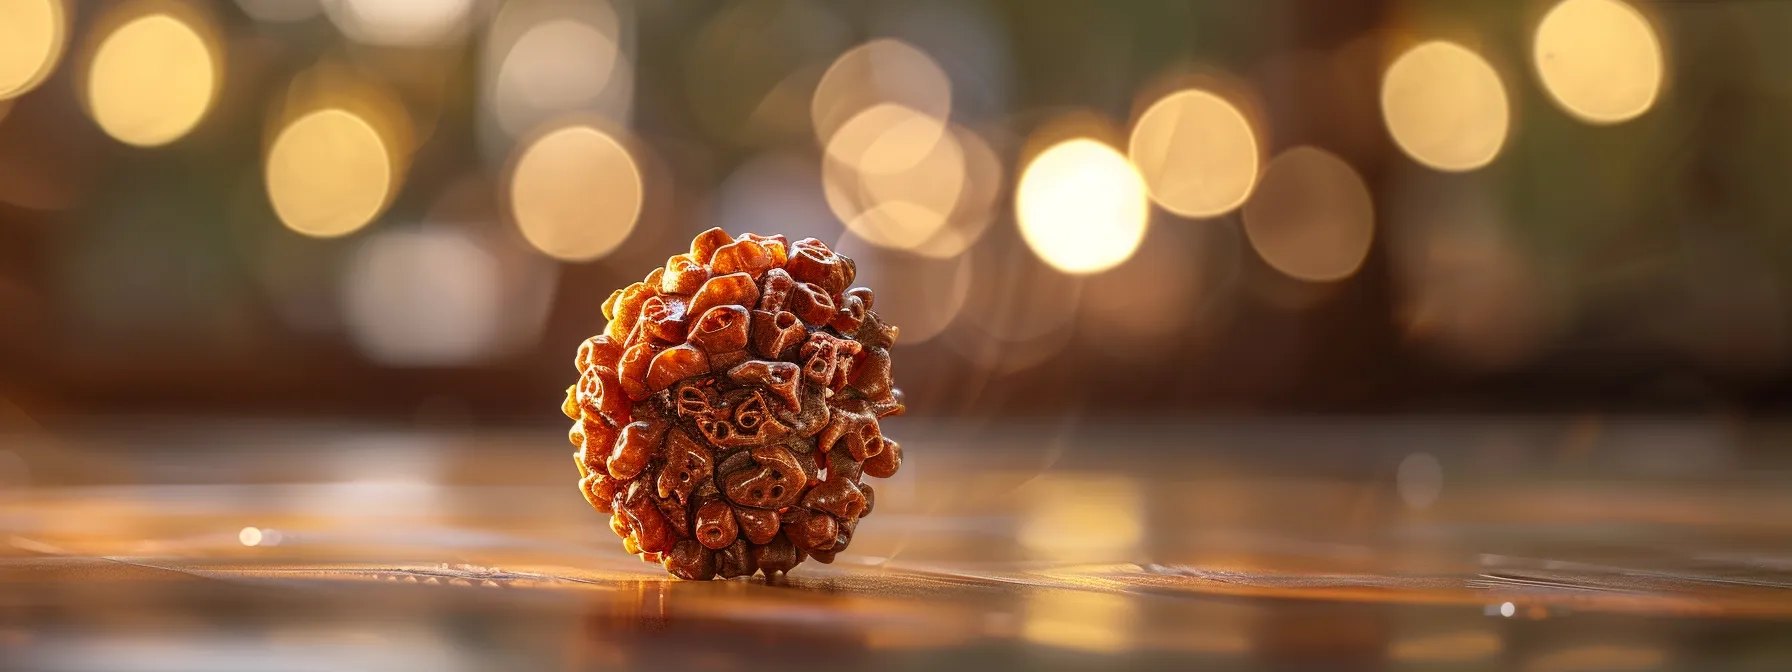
(429, 296)
(329, 173)
(1081, 206)
(1599, 60)
(151, 80)
(576, 193)
(557, 65)
(550, 59)
(882, 71)
(1445, 106)
(31, 38)
(894, 176)
(984, 184)
(400, 23)
(1312, 217)
(1197, 153)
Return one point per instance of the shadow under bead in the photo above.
(728, 413)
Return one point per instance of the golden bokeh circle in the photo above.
(31, 38)
(151, 80)
(1312, 217)
(1082, 207)
(894, 176)
(1197, 153)
(1598, 59)
(329, 173)
(576, 193)
(881, 71)
(1445, 106)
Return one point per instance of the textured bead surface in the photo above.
(727, 414)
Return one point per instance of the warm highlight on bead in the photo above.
(726, 415)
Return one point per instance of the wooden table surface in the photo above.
(1464, 543)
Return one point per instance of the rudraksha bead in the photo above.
(726, 415)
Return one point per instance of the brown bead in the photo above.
(777, 481)
(776, 245)
(722, 362)
(849, 316)
(752, 420)
(598, 350)
(691, 561)
(707, 412)
(841, 465)
(851, 422)
(721, 329)
(812, 304)
(675, 364)
(864, 295)
(874, 333)
(757, 525)
(818, 359)
(609, 308)
(577, 433)
(636, 445)
(778, 377)
(812, 415)
(777, 556)
(627, 310)
(846, 354)
(597, 440)
(812, 261)
(652, 532)
(687, 464)
(735, 561)
(632, 370)
(601, 394)
(742, 256)
(870, 498)
(571, 406)
(809, 530)
(662, 319)
(683, 276)
(600, 490)
(776, 335)
(837, 496)
(885, 463)
(677, 516)
(619, 525)
(733, 289)
(716, 527)
(704, 246)
(775, 289)
(693, 399)
(871, 376)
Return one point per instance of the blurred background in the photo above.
(403, 209)
(1393, 332)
